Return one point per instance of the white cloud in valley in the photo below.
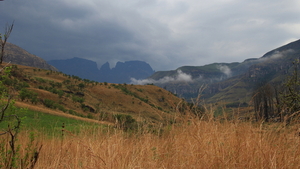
(179, 77)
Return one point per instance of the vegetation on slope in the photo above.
(46, 90)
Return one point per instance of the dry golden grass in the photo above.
(198, 144)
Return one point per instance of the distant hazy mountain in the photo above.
(231, 82)
(124, 71)
(83, 68)
(199, 75)
(121, 73)
(273, 67)
(17, 55)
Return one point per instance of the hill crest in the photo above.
(17, 55)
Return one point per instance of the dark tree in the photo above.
(3, 40)
(263, 102)
(290, 95)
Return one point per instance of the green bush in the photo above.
(41, 80)
(60, 93)
(125, 122)
(50, 103)
(27, 94)
(77, 99)
(61, 107)
(21, 85)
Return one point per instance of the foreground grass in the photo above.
(199, 144)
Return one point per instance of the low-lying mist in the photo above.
(179, 77)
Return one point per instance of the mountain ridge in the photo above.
(87, 69)
(241, 77)
(17, 55)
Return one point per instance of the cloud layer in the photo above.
(165, 33)
(179, 77)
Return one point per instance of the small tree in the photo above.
(290, 96)
(10, 156)
(81, 86)
(263, 102)
(3, 39)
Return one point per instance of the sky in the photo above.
(166, 34)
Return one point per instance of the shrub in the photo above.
(78, 99)
(81, 86)
(50, 103)
(66, 81)
(41, 80)
(34, 98)
(60, 93)
(90, 116)
(27, 94)
(61, 107)
(125, 122)
(21, 85)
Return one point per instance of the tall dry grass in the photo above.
(197, 144)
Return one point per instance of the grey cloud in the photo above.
(167, 34)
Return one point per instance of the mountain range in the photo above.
(229, 82)
(87, 69)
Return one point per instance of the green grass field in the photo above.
(47, 123)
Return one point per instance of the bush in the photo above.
(78, 99)
(41, 80)
(125, 122)
(60, 93)
(81, 86)
(27, 94)
(90, 116)
(21, 85)
(50, 103)
(61, 107)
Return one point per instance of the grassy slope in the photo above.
(144, 103)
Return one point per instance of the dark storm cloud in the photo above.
(165, 33)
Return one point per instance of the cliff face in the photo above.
(124, 71)
(17, 55)
(121, 73)
(82, 68)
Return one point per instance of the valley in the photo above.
(97, 123)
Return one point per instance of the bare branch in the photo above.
(8, 30)
(5, 107)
